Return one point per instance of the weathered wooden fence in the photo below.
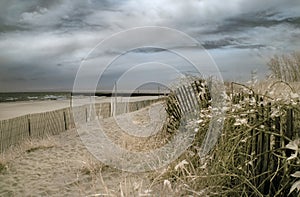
(185, 100)
(265, 151)
(38, 125)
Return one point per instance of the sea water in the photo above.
(31, 96)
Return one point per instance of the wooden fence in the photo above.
(38, 125)
(265, 149)
(186, 101)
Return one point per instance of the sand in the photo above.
(14, 109)
(62, 166)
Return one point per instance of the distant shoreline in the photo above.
(43, 96)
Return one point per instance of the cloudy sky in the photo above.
(43, 43)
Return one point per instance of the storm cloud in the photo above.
(43, 43)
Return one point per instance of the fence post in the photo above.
(259, 143)
(266, 149)
(29, 127)
(65, 121)
(86, 115)
(274, 185)
(289, 129)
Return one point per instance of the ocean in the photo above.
(41, 96)
(31, 96)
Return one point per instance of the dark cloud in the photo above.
(41, 40)
(248, 21)
(148, 50)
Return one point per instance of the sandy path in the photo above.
(62, 166)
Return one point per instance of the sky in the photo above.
(43, 43)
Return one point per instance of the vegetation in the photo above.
(251, 157)
(286, 67)
(257, 153)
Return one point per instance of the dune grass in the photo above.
(225, 171)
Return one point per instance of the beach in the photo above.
(20, 108)
(61, 165)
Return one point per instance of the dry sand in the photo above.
(14, 109)
(62, 166)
